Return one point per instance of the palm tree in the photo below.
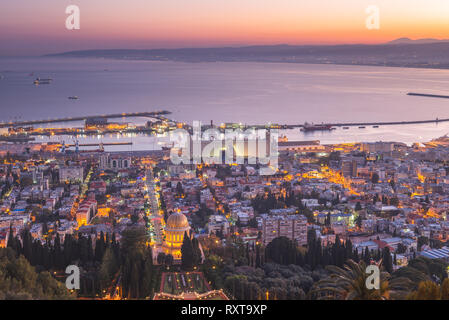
(429, 290)
(349, 283)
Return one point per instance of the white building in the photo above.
(71, 173)
(114, 162)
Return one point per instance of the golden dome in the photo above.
(177, 221)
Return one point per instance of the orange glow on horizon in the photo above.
(156, 24)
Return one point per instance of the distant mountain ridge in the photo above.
(403, 52)
(417, 41)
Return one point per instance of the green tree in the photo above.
(349, 283)
(387, 261)
(132, 252)
(187, 253)
(169, 260)
(58, 257)
(147, 287)
(161, 258)
(19, 280)
(281, 250)
(196, 252)
(100, 247)
(108, 268)
(134, 241)
(445, 289)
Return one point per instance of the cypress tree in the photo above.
(100, 247)
(90, 251)
(107, 241)
(386, 260)
(46, 257)
(134, 281)
(126, 273)
(27, 245)
(58, 257)
(196, 252)
(187, 258)
(115, 246)
(258, 263)
(67, 249)
(83, 250)
(147, 278)
(349, 253)
(11, 240)
(367, 256)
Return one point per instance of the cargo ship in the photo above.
(316, 127)
(167, 146)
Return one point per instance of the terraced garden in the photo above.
(178, 282)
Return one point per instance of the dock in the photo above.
(427, 95)
(387, 123)
(98, 144)
(160, 115)
(152, 114)
(334, 124)
(16, 139)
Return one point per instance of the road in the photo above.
(154, 213)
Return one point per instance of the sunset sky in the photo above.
(37, 27)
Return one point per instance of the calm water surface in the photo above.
(229, 92)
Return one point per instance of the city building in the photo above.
(349, 168)
(71, 174)
(293, 227)
(301, 146)
(85, 212)
(114, 162)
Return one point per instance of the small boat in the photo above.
(42, 81)
(345, 128)
(73, 98)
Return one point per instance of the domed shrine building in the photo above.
(175, 229)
